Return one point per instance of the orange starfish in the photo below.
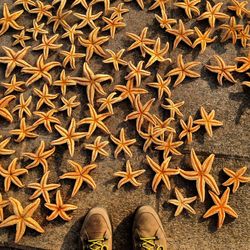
(245, 63)
(69, 105)
(26, 4)
(239, 8)
(14, 85)
(173, 107)
(4, 102)
(164, 21)
(82, 2)
(5, 151)
(3, 204)
(189, 6)
(108, 102)
(20, 38)
(37, 29)
(159, 4)
(118, 11)
(23, 107)
(159, 124)
(113, 24)
(244, 36)
(41, 10)
(115, 58)
(71, 32)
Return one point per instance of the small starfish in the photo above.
(3, 204)
(22, 218)
(173, 107)
(9, 20)
(239, 8)
(40, 71)
(169, 146)
(129, 176)
(162, 172)
(181, 34)
(45, 97)
(92, 81)
(40, 157)
(88, 18)
(23, 107)
(69, 105)
(4, 102)
(97, 148)
(14, 59)
(11, 175)
(80, 175)
(46, 118)
(236, 178)
(140, 41)
(201, 174)
(221, 207)
(68, 136)
(164, 21)
(213, 13)
(70, 57)
(245, 63)
(141, 112)
(93, 44)
(159, 4)
(14, 85)
(108, 102)
(157, 54)
(115, 58)
(59, 208)
(244, 36)
(41, 10)
(182, 203)
(5, 151)
(26, 4)
(137, 72)
(188, 129)
(64, 82)
(118, 11)
(82, 2)
(122, 144)
(42, 188)
(113, 24)
(189, 6)
(71, 32)
(24, 131)
(37, 29)
(159, 124)
(208, 121)
(21, 38)
(222, 70)
(183, 70)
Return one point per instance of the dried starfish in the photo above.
(11, 175)
(182, 203)
(222, 70)
(235, 178)
(23, 107)
(129, 176)
(80, 175)
(24, 131)
(3, 204)
(22, 218)
(37, 29)
(203, 38)
(245, 63)
(40, 157)
(188, 129)
(189, 6)
(45, 97)
(108, 102)
(173, 107)
(115, 58)
(93, 44)
(157, 54)
(122, 144)
(201, 174)
(14, 59)
(113, 24)
(244, 36)
(43, 188)
(161, 85)
(70, 57)
(92, 81)
(41, 10)
(5, 151)
(46, 118)
(221, 207)
(164, 21)
(159, 4)
(9, 20)
(59, 208)
(14, 85)
(140, 41)
(97, 148)
(71, 32)
(137, 72)
(239, 8)
(26, 4)
(213, 13)
(82, 2)
(69, 105)
(21, 38)
(118, 11)
(162, 172)
(68, 136)
(41, 70)
(141, 112)
(4, 102)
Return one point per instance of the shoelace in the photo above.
(149, 244)
(97, 244)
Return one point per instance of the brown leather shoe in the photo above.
(96, 232)
(148, 232)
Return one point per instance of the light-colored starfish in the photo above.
(14, 85)
(164, 21)
(122, 144)
(108, 102)
(82, 2)
(26, 4)
(22, 218)
(42, 188)
(41, 10)
(189, 6)
(244, 35)
(20, 38)
(5, 151)
(4, 112)
(239, 8)
(182, 203)
(115, 58)
(23, 107)
(118, 11)
(113, 24)
(159, 4)
(221, 207)
(173, 107)
(3, 204)
(37, 29)
(201, 174)
(80, 175)
(71, 32)
(69, 105)
(245, 61)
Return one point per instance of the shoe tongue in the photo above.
(96, 228)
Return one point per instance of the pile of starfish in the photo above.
(157, 133)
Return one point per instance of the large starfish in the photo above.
(41, 10)
(71, 32)
(239, 8)
(189, 6)
(20, 39)
(23, 107)
(14, 85)
(173, 107)
(201, 174)
(3, 204)
(244, 36)
(115, 58)
(26, 4)
(245, 61)
(4, 112)
(69, 104)
(164, 21)
(6, 151)
(113, 24)
(37, 29)
(22, 218)
(108, 102)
